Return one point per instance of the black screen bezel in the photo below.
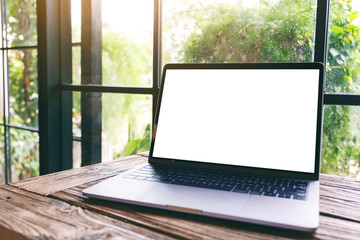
(236, 168)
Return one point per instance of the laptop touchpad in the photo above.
(177, 197)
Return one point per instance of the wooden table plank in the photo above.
(340, 197)
(28, 215)
(340, 182)
(54, 182)
(339, 208)
(196, 227)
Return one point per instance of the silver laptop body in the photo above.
(259, 122)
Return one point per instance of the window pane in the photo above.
(127, 41)
(343, 65)
(23, 87)
(75, 21)
(238, 31)
(341, 141)
(126, 124)
(76, 65)
(24, 154)
(22, 22)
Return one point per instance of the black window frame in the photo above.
(56, 88)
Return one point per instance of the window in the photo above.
(99, 65)
(19, 145)
(117, 94)
(341, 121)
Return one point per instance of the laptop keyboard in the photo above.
(267, 186)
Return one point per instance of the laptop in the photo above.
(233, 141)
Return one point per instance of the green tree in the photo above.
(270, 33)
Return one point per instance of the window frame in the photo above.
(56, 88)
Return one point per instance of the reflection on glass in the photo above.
(127, 42)
(23, 87)
(341, 141)
(76, 65)
(343, 65)
(22, 20)
(126, 124)
(238, 31)
(24, 154)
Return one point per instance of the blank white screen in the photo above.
(255, 118)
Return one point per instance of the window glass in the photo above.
(24, 154)
(75, 21)
(341, 141)
(238, 31)
(22, 20)
(23, 87)
(127, 41)
(76, 65)
(343, 63)
(126, 123)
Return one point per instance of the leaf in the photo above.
(354, 15)
(337, 30)
(130, 148)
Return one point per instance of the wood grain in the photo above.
(51, 183)
(340, 203)
(34, 216)
(197, 227)
(340, 182)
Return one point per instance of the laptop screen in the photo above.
(262, 118)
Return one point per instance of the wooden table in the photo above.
(52, 207)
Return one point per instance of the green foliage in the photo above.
(25, 154)
(125, 61)
(22, 21)
(270, 33)
(344, 39)
(283, 32)
(138, 145)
